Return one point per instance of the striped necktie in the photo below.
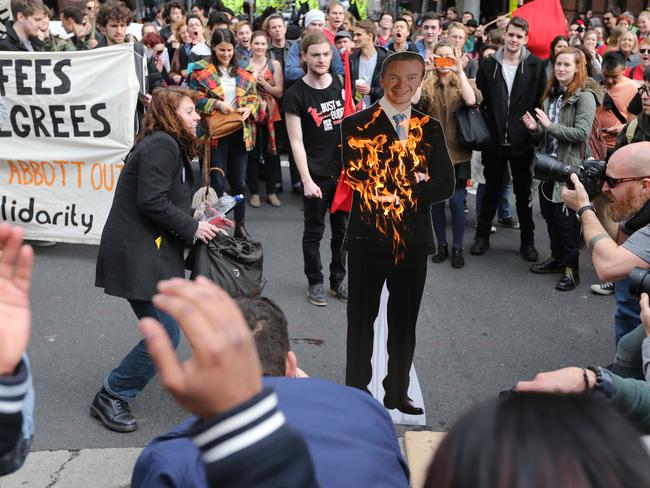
(399, 126)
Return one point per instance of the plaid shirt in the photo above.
(205, 79)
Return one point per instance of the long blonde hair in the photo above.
(431, 79)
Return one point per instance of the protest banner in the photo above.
(5, 14)
(66, 124)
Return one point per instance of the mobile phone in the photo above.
(444, 62)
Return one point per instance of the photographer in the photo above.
(617, 249)
(561, 130)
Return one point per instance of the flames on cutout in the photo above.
(385, 177)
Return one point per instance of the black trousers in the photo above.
(563, 227)
(367, 273)
(258, 156)
(495, 172)
(315, 210)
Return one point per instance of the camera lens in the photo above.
(639, 281)
(548, 168)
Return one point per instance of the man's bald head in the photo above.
(630, 160)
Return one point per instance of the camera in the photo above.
(639, 281)
(591, 173)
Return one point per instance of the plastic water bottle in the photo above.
(215, 211)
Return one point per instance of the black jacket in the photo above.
(415, 227)
(149, 224)
(502, 113)
(9, 41)
(376, 91)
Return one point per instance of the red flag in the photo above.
(545, 21)
(343, 195)
(348, 107)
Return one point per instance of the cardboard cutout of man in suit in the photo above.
(397, 163)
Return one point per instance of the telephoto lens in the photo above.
(550, 169)
(639, 281)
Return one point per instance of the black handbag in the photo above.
(236, 265)
(473, 132)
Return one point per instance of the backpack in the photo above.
(630, 130)
(597, 145)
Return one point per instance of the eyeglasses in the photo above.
(612, 182)
(644, 90)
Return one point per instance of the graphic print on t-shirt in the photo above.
(331, 114)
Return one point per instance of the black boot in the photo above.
(114, 413)
(441, 255)
(241, 232)
(480, 245)
(569, 280)
(457, 260)
(550, 266)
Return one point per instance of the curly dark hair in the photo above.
(162, 116)
(113, 10)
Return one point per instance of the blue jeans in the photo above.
(504, 211)
(628, 361)
(136, 369)
(457, 208)
(231, 157)
(628, 310)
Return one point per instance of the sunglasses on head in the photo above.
(612, 182)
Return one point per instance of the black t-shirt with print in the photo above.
(321, 113)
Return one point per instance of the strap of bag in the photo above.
(206, 166)
(631, 129)
(618, 114)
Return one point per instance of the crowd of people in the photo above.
(290, 82)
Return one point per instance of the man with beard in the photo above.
(619, 237)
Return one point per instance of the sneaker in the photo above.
(493, 229)
(340, 292)
(606, 288)
(316, 295)
(509, 223)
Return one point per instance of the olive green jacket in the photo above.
(572, 131)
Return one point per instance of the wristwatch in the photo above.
(582, 210)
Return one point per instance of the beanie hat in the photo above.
(314, 15)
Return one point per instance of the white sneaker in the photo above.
(606, 288)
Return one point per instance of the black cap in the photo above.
(341, 35)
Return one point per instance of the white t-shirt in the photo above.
(509, 71)
(366, 70)
(229, 85)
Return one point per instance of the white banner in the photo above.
(5, 13)
(66, 123)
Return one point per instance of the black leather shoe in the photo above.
(457, 259)
(441, 255)
(114, 413)
(569, 280)
(405, 407)
(241, 232)
(528, 252)
(550, 266)
(480, 245)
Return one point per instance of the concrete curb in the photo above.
(96, 468)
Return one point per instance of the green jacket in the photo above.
(262, 5)
(572, 131)
(639, 131)
(632, 398)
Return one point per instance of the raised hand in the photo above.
(224, 370)
(16, 264)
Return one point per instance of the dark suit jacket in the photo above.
(349, 435)
(376, 91)
(149, 223)
(415, 227)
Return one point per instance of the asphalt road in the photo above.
(481, 328)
